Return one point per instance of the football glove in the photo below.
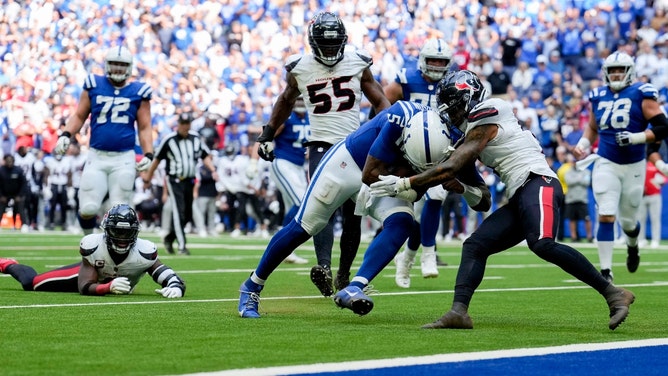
(251, 170)
(63, 143)
(266, 141)
(170, 292)
(662, 167)
(626, 138)
(389, 185)
(120, 285)
(145, 162)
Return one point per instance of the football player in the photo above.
(408, 137)
(114, 105)
(419, 85)
(619, 110)
(493, 135)
(112, 262)
(332, 81)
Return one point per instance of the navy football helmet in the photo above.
(456, 94)
(121, 228)
(327, 37)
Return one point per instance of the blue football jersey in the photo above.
(617, 112)
(113, 112)
(416, 88)
(289, 144)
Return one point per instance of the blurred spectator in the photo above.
(500, 80)
(652, 203)
(13, 187)
(576, 200)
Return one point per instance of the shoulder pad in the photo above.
(147, 249)
(145, 92)
(292, 61)
(89, 244)
(364, 55)
(649, 91)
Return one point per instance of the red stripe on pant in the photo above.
(547, 220)
(59, 280)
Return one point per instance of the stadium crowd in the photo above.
(222, 61)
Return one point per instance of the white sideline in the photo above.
(434, 359)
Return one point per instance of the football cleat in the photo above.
(342, 280)
(619, 301)
(353, 298)
(5, 262)
(402, 276)
(169, 248)
(321, 277)
(294, 259)
(249, 299)
(607, 274)
(632, 258)
(429, 268)
(451, 320)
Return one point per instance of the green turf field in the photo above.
(523, 302)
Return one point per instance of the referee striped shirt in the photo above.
(182, 154)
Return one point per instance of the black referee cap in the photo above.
(185, 117)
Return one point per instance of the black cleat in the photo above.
(322, 279)
(169, 248)
(342, 280)
(607, 274)
(451, 320)
(619, 302)
(632, 258)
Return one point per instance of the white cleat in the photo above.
(429, 268)
(294, 259)
(403, 273)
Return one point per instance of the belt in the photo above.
(180, 178)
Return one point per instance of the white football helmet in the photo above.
(618, 81)
(118, 64)
(426, 140)
(435, 49)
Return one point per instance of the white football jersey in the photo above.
(514, 153)
(59, 170)
(140, 258)
(332, 94)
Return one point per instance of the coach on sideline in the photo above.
(182, 150)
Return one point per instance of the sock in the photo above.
(430, 219)
(632, 236)
(414, 237)
(282, 244)
(410, 253)
(87, 224)
(606, 242)
(385, 246)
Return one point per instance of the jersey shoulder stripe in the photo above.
(90, 82)
(479, 114)
(649, 91)
(364, 56)
(145, 91)
(292, 62)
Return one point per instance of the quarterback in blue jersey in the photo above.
(620, 111)
(419, 86)
(114, 105)
(403, 139)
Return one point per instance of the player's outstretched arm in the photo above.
(172, 285)
(88, 284)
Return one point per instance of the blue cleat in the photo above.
(249, 299)
(354, 299)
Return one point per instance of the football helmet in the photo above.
(118, 64)
(435, 50)
(327, 37)
(618, 80)
(121, 228)
(426, 140)
(456, 94)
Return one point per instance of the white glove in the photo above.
(62, 145)
(144, 163)
(266, 150)
(170, 292)
(120, 285)
(389, 185)
(627, 138)
(251, 170)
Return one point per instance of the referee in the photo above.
(182, 150)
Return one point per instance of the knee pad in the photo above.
(636, 229)
(542, 246)
(89, 209)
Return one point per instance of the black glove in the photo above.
(266, 141)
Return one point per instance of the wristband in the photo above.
(472, 195)
(149, 155)
(404, 184)
(583, 143)
(66, 134)
(638, 138)
(103, 289)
